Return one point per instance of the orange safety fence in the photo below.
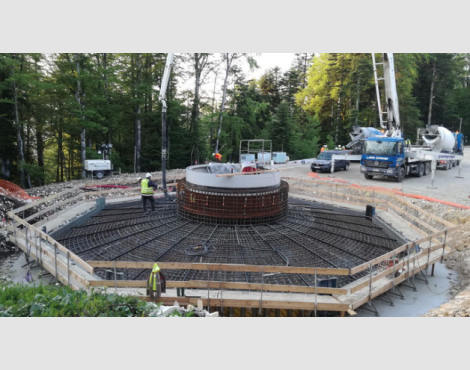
(14, 191)
(395, 191)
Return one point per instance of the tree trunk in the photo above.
(23, 173)
(137, 122)
(358, 98)
(431, 97)
(83, 151)
(106, 94)
(229, 60)
(60, 155)
(79, 96)
(40, 152)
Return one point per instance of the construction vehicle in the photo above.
(358, 136)
(389, 155)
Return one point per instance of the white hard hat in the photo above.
(148, 175)
(213, 153)
(140, 178)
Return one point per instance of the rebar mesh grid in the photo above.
(232, 207)
(306, 237)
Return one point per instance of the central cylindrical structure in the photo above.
(222, 195)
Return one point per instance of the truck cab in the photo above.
(384, 156)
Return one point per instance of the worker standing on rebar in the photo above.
(147, 187)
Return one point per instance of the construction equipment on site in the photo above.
(358, 137)
(390, 155)
(100, 168)
(262, 149)
(162, 98)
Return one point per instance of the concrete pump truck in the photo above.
(389, 155)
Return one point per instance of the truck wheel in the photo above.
(401, 175)
(446, 168)
(453, 163)
(368, 177)
(346, 167)
(99, 174)
(427, 168)
(420, 169)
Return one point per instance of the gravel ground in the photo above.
(448, 186)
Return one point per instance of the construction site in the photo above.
(255, 244)
(264, 236)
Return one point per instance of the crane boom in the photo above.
(391, 96)
(162, 98)
(391, 92)
(166, 78)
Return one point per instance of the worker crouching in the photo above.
(147, 189)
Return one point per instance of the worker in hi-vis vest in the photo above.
(154, 288)
(147, 187)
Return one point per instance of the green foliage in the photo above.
(330, 142)
(17, 300)
(316, 101)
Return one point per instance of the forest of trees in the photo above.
(55, 109)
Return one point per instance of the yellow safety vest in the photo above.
(153, 277)
(145, 187)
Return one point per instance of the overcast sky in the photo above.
(265, 62)
(270, 60)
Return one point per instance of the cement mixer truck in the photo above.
(390, 155)
(358, 136)
(441, 140)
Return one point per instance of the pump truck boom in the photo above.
(162, 98)
(389, 155)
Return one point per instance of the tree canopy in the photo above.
(57, 109)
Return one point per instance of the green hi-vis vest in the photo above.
(145, 187)
(153, 278)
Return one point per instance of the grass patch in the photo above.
(18, 300)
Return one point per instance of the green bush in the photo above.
(17, 300)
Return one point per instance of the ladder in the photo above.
(383, 123)
(392, 121)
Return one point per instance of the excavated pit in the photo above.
(309, 235)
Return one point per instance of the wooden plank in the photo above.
(199, 284)
(221, 267)
(288, 305)
(266, 287)
(53, 242)
(413, 218)
(47, 264)
(248, 173)
(398, 280)
(390, 193)
(120, 283)
(45, 210)
(377, 277)
(43, 200)
(420, 210)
